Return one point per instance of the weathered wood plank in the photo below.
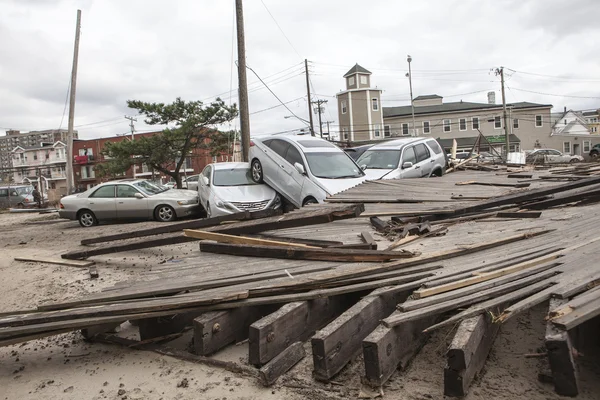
(232, 239)
(282, 363)
(45, 260)
(523, 214)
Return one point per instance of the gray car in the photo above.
(128, 199)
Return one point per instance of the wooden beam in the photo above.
(282, 363)
(521, 214)
(335, 345)
(293, 322)
(387, 349)
(310, 242)
(378, 224)
(68, 263)
(304, 253)
(224, 238)
(467, 353)
(162, 326)
(561, 355)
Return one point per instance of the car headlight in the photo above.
(187, 202)
(219, 204)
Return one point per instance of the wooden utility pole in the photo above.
(320, 111)
(132, 126)
(310, 116)
(500, 71)
(242, 81)
(69, 167)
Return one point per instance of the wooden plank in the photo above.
(224, 238)
(387, 349)
(560, 355)
(216, 329)
(520, 176)
(499, 184)
(368, 238)
(470, 346)
(563, 199)
(310, 242)
(178, 227)
(335, 345)
(68, 263)
(282, 363)
(530, 214)
(378, 224)
(579, 315)
(316, 254)
(291, 323)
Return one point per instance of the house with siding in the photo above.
(44, 164)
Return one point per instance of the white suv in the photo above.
(404, 158)
(303, 169)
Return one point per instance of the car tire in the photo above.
(574, 160)
(594, 154)
(87, 219)
(165, 213)
(310, 200)
(256, 171)
(20, 206)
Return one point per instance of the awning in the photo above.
(470, 141)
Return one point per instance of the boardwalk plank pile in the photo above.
(450, 260)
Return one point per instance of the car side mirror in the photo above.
(139, 196)
(407, 164)
(300, 168)
(205, 181)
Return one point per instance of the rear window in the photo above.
(315, 143)
(435, 146)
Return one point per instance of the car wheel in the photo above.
(164, 213)
(308, 201)
(574, 160)
(257, 171)
(594, 155)
(20, 205)
(87, 219)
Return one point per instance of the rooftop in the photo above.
(357, 69)
(454, 107)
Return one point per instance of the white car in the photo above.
(551, 156)
(305, 170)
(227, 188)
(404, 158)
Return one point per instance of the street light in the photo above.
(412, 105)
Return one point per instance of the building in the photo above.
(44, 164)
(359, 107)
(592, 119)
(87, 155)
(571, 133)
(15, 138)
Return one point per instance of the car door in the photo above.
(424, 160)
(409, 155)
(275, 156)
(203, 188)
(4, 198)
(290, 179)
(102, 202)
(555, 156)
(129, 206)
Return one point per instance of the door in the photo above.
(424, 160)
(555, 156)
(102, 202)
(290, 179)
(275, 157)
(576, 149)
(204, 189)
(129, 206)
(409, 155)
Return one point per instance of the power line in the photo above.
(556, 77)
(557, 95)
(276, 106)
(281, 30)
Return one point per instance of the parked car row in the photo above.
(19, 196)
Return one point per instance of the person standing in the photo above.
(37, 197)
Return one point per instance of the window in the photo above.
(475, 123)
(106, 192)
(567, 147)
(426, 127)
(516, 123)
(377, 131)
(126, 191)
(344, 107)
(539, 121)
(497, 123)
(447, 125)
(435, 146)
(409, 156)
(363, 79)
(375, 104)
(586, 146)
(345, 133)
(293, 156)
(422, 152)
(47, 155)
(387, 132)
(462, 124)
(405, 129)
(351, 81)
(35, 156)
(206, 172)
(279, 146)
(594, 129)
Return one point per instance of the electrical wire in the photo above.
(276, 106)
(556, 95)
(553, 76)
(281, 30)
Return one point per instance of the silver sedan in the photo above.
(128, 199)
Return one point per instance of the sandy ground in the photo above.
(67, 367)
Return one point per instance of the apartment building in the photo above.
(43, 165)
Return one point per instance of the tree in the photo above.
(194, 127)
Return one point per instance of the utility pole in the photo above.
(310, 116)
(242, 81)
(319, 109)
(69, 167)
(328, 131)
(131, 121)
(500, 71)
(412, 103)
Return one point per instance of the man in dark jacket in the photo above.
(37, 197)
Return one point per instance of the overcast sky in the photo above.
(157, 50)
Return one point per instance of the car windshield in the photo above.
(149, 188)
(233, 177)
(24, 190)
(332, 166)
(380, 159)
